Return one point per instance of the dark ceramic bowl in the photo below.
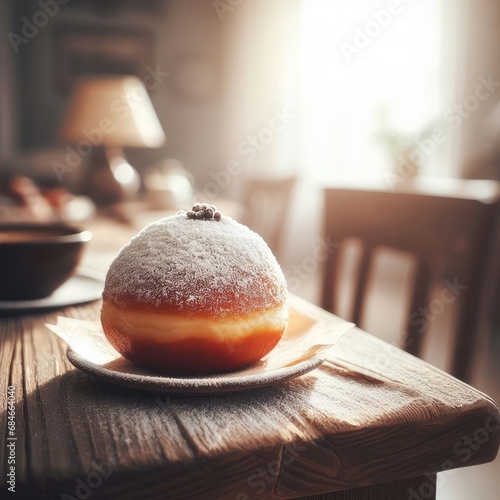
(36, 259)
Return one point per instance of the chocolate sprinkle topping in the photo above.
(204, 211)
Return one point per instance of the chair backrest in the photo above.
(266, 203)
(447, 236)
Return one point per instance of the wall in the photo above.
(183, 30)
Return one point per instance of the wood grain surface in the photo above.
(370, 415)
(371, 423)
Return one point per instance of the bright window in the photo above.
(368, 69)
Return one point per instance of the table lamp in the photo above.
(104, 115)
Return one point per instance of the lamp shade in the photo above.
(112, 111)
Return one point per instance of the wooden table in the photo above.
(371, 422)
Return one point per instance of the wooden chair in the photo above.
(450, 238)
(266, 203)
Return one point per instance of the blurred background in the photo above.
(361, 83)
(110, 108)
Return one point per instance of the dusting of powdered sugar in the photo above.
(193, 267)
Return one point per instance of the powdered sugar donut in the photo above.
(195, 293)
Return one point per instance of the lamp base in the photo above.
(109, 178)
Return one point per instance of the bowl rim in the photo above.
(74, 234)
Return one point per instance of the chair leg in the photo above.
(417, 327)
(362, 280)
(472, 310)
